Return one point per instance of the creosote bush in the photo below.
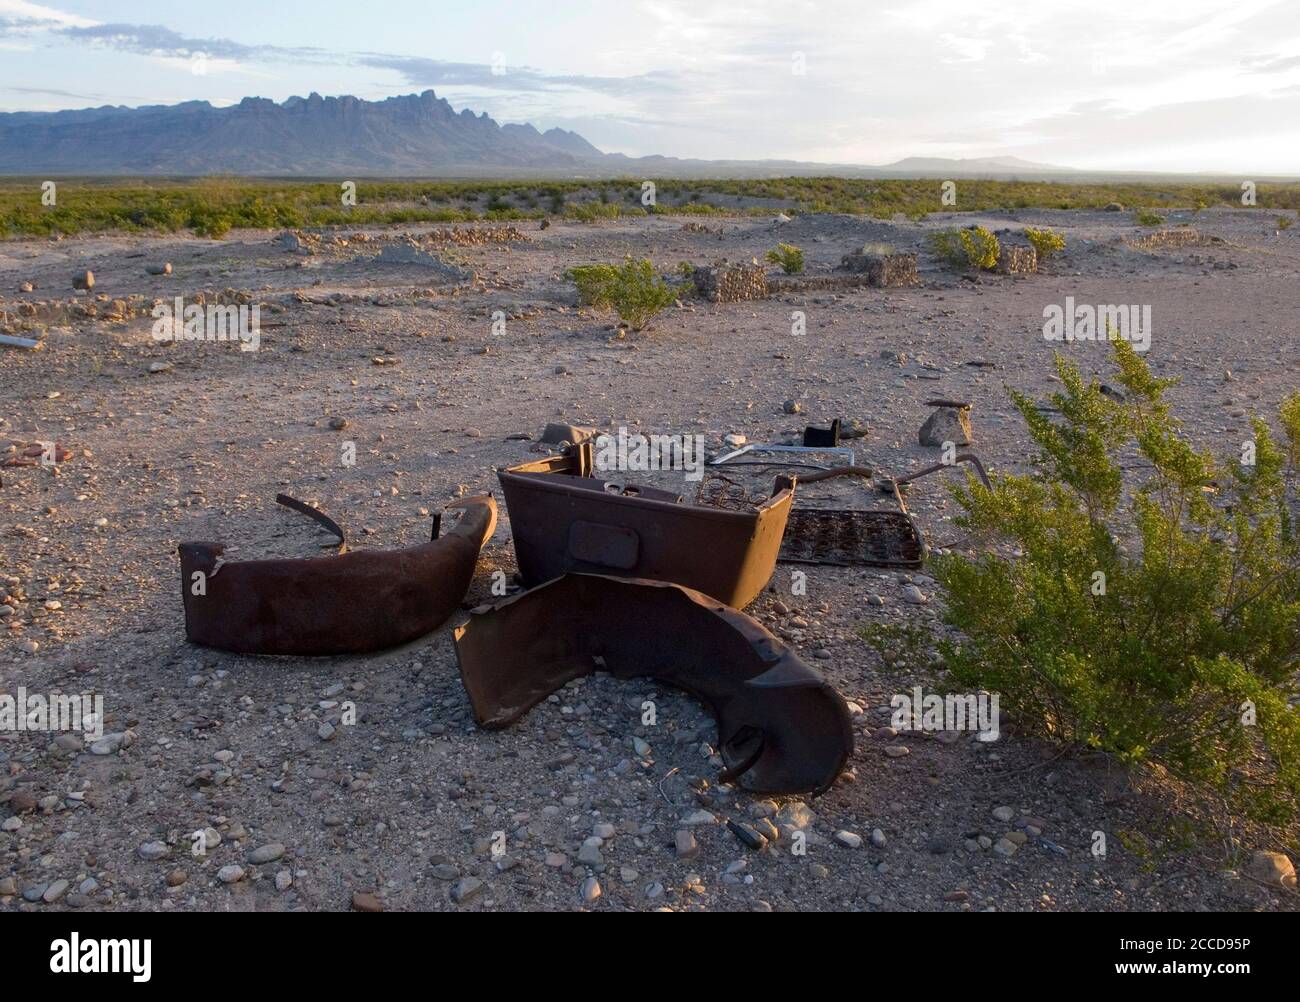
(973, 247)
(1159, 625)
(631, 289)
(1046, 242)
(1146, 217)
(788, 256)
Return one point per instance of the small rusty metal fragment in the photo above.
(781, 727)
(347, 603)
(564, 519)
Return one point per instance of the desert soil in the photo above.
(400, 810)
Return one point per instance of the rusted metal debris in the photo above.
(565, 519)
(781, 727)
(345, 603)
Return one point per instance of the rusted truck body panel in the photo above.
(781, 727)
(347, 603)
(564, 519)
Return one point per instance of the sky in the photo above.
(1150, 85)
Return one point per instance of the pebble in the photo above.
(466, 889)
(283, 880)
(1273, 868)
(266, 854)
(231, 874)
(326, 731)
(363, 901)
(849, 839)
(685, 844)
(1005, 847)
(590, 889)
(897, 751)
(913, 595)
(1003, 814)
(55, 891)
(152, 851)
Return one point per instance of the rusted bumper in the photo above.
(349, 603)
(781, 727)
(565, 520)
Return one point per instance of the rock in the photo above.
(749, 836)
(877, 838)
(107, 745)
(23, 801)
(590, 890)
(792, 407)
(283, 880)
(159, 269)
(338, 423)
(897, 751)
(796, 814)
(1005, 847)
(26, 287)
(85, 281)
(466, 889)
(603, 830)
(363, 901)
(1003, 814)
(589, 854)
(654, 890)
(558, 434)
(266, 854)
(55, 891)
(34, 892)
(1114, 207)
(685, 844)
(152, 851)
(177, 877)
(696, 818)
(8, 888)
(325, 731)
(1273, 868)
(445, 871)
(231, 874)
(642, 748)
(160, 367)
(913, 595)
(947, 424)
(848, 839)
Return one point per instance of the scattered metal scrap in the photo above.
(345, 603)
(564, 519)
(781, 727)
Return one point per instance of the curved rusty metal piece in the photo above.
(347, 603)
(781, 727)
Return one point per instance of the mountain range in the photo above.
(414, 135)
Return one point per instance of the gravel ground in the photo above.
(411, 806)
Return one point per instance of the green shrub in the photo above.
(1289, 413)
(788, 256)
(974, 247)
(1284, 222)
(1141, 624)
(1146, 217)
(631, 289)
(595, 283)
(1046, 242)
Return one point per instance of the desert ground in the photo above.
(191, 441)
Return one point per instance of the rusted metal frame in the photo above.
(346, 603)
(781, 727)
(563, 519)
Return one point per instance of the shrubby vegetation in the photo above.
(788, 256)
(1145, 217)
(973, 247)
(1046, 242)
(1159, 625)
(631, 289)
(216, 205)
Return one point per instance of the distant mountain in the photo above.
(971, 165)
(409, 135)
